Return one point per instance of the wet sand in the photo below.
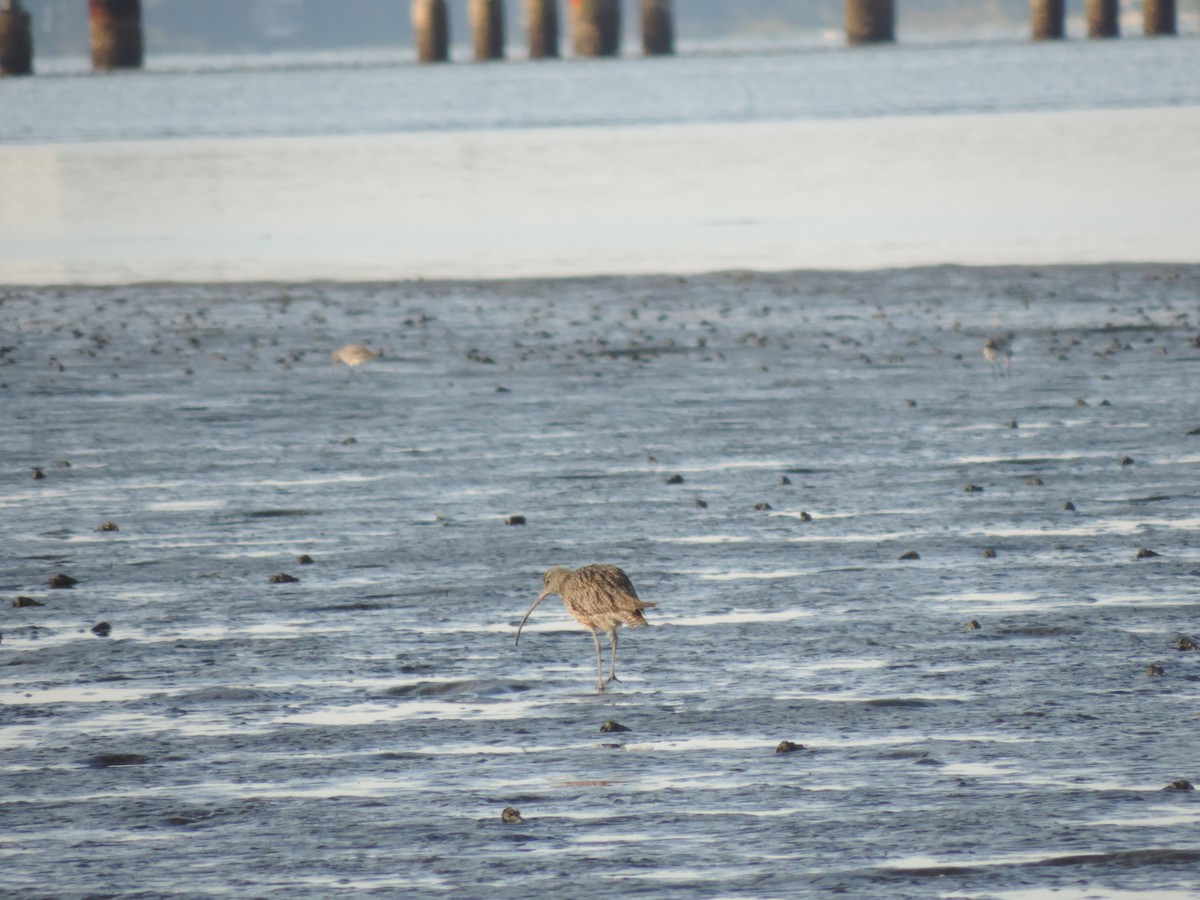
(363, 728)
(1082, 186)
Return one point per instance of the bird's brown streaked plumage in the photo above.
(998, 352)
(599, 597)
(353, 355)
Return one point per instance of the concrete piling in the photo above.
(596, 27)
(487, 29)
(870, 21)
(658, 27)
(431, 30)
(115, 27)
(1103, 20)
(16, 39)
(541, 24)
(1046, 20)
(1158, 17)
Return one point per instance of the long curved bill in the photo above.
(542, 596)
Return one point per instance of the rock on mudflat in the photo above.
(611, 727)
(1146, 553)
(59, 580)
(511, 816)
(989, 553)
(111, 760)
(514, 520)
(283, 578)
(973, 625)
(911, 554)
(788, 747)
(1181, 785)
(304, 559)
(107, 526)
(1185, 643)
(102, 629)
(25, 602)
(1154, 671)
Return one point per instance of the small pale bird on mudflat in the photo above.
(353, 355)
(599, 597)
(998, 351)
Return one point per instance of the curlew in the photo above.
(600, 598)
(353, 355)
(998, 351)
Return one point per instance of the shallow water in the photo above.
(361, 730)
(365, 168)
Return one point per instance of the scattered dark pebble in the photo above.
(514, 520)
(675, 479)
(911, 554)
(611, 727)
(283, 578)
(805, 517)
(788, 747)
(973, 489)
(1035, 481)
(1011, 423)
(511, 816)
(110, 760)
(989, 553)
(304, 560)
(1154, 671)
(1146, 553)
(911, 404)
(1185, 643)
(38, 474)
(1181, 785)
(1069, 506)
(59, 580)
(107, 526)
(62, 464)
(1079, 401)
(349, 441)
(1127, 460)
(762, 506)
(700, 504)
(102, 629)
(1194, 432)
(973, 625)
(501, 389)
(25, 602)
(783, 479)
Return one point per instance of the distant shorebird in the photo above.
(600, 598)
(998, 351)
(353, 355)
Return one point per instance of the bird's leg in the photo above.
(599, 663)
(612, 668)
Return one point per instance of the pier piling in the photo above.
(1046, 20)
(115, 27)
(1158, 17)
(596, 27)
(658, 27)
(431, 30)
(16, 39)
(870, 21)
(541, 24)
(487, 29)
(1102, 18)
